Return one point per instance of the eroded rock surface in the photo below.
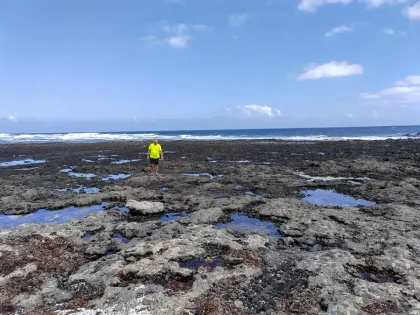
(323, 260)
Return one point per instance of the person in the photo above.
(154, 154)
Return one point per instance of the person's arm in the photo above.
(161, 154)
(148, 153)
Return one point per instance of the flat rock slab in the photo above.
(144, 207)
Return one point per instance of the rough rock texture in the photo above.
(326, 260)
(144, 207)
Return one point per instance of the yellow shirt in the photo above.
(154, 151)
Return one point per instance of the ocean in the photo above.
(292, 134)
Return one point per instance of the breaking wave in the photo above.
(326, 134)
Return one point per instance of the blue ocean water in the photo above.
(292, 134)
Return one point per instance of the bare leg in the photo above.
(152, 168)
(156, 170)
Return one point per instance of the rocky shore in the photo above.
(239, 227)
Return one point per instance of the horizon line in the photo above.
(228, 129)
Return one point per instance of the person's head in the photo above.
(156, 141)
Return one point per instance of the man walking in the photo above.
(154, 154)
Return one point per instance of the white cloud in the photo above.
(409, 80)
(175, 35)
(178, 41)
(333, 69)
(388, 31)
(349, 115)
(12, 118)
(238, 19)
(378, 3)
(406, 91)
(412, 12)
(259, 110)
(313, 5)
(338, 30)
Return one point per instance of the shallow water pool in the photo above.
(244, 224)
(70, 172)
(81, 189)
(124, 161)
(43, 216)
(172, 216)
(121, 238)
(115, 177)
(208, 263)
(21, 162)
(329, 197)
(202, 175)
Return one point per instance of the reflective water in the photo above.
(172, 216)
(87, 161)
(323, 197)
(124, 161)
(115, 177)
(70, 172)
(244, 224)
(87, 235)
(102, 157)
(43, 216)
(81, 189)
(21, 162)
(122, 209)
(330, 178)
(250, 193)
(209, 263)
(201, 175)
(121, 238)
(27, 168)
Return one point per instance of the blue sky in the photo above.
(165, 64)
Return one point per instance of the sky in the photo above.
(99, 65)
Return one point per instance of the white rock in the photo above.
(144, 207)
(256, 241)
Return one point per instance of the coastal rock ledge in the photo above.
(144, 207)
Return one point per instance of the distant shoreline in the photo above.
(253, 141)
(294, 135)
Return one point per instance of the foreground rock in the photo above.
(321, 260)
(144, 207)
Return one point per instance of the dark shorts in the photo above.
(154, 161)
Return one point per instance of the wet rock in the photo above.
(136, 229)
(27, 301)
(144, 207)
(353, 261)
(288, 241)
(255, 241)
(18, 273)
(52, 295)
(205, 216)
(316, 248)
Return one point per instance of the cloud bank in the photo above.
(259, 110)
(405, 91)
(333, 69)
